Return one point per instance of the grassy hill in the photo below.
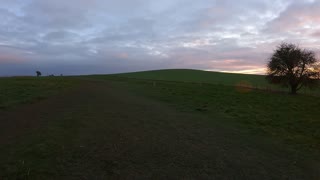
(218, 78)
(189, 75)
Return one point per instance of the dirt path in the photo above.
(99, 131)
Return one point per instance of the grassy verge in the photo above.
(21, 90)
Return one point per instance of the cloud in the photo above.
(64, 36)
(10, 58)
(105, 36)
(316, 34)
(298, 15)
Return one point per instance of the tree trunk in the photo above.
(294, 89)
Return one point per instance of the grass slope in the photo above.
(189, 75)
(19, 90)
(199, 76)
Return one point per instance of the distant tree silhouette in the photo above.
(38, 73)
(292, 67)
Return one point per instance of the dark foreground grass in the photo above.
(22, 90)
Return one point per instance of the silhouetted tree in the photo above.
(292, 67)
(317, 71)
(38, 73)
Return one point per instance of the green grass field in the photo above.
(159, 124)
(187, 75)
(294, 119)
(20, 90)
(218, 78)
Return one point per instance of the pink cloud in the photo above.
(316, 34)
(11, 58)
(232, 65)
(122, 56)
(298, 17)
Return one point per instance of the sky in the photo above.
(105, 36)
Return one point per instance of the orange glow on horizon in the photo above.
(258, 71)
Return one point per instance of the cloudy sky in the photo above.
(108, 36)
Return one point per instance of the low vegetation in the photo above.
(21, 90)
